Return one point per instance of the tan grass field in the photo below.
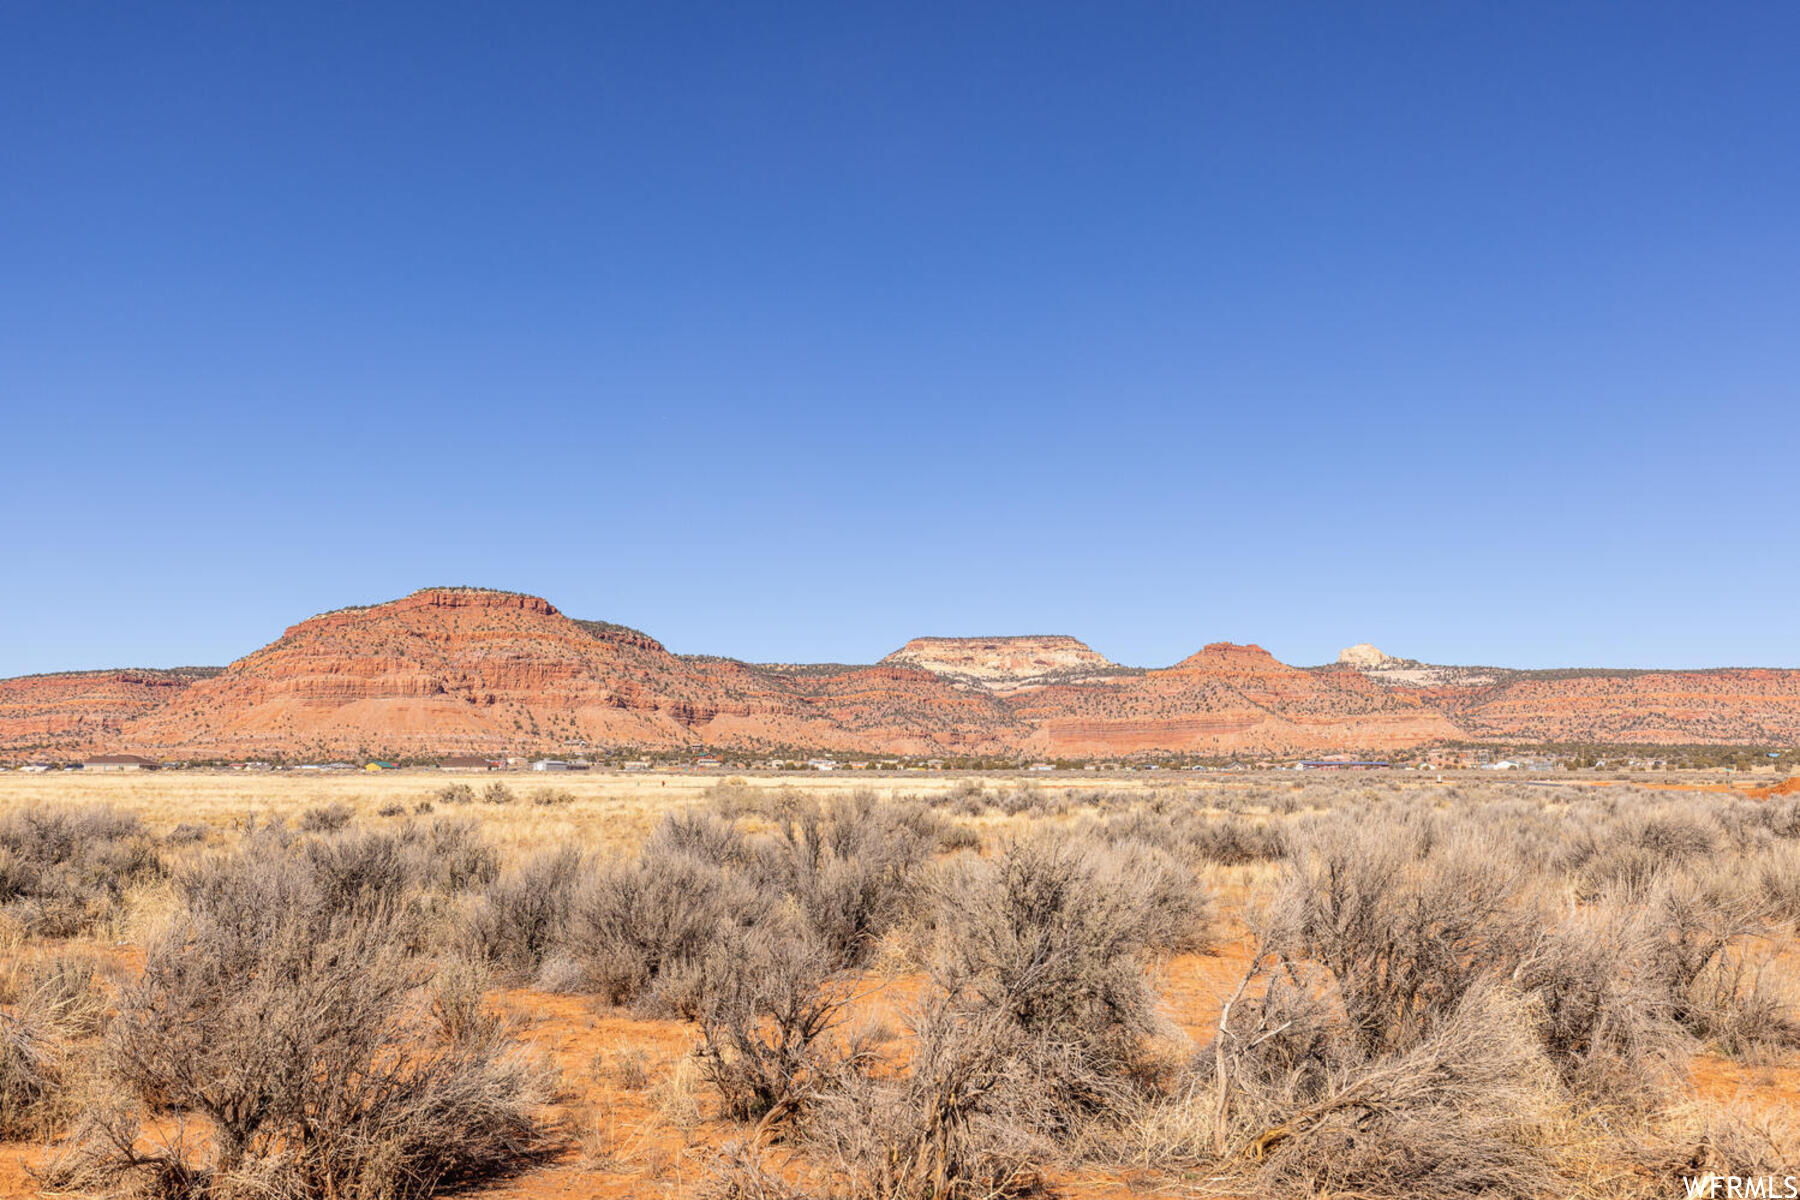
(633, 1112)
(609, 808)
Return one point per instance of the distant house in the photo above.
(549, 764)
(706, 760)
(467, 762)
(120, 762)
(637, 764)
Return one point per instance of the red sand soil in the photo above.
(1723, 1080)
(652, 1146)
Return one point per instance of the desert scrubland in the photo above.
(376, 987)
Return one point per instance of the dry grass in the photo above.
(993, 988)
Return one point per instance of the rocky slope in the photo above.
(1748, 706)
(1411, 673)
(79, 712)
(449, 670)
(1229, 699)
(1742, 706)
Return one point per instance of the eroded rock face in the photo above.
(448, 671)
(440, 671)
(1002, 663)
(79, 712)
(461, 670)
(1228, 698)
(1747, 706)
(1744, 706)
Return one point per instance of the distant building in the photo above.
(120, 762)
(549, 764)
(706, 760)
(637, 764)
(467, 762)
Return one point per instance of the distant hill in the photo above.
(459, 670)
(75, 712)
(1724, 705)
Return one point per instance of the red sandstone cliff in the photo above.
(79, 712)
(450, 670)
(1228, 699)
(1743, 706)
(442, 670)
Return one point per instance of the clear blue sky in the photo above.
(792, 331)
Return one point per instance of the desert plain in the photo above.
(905, 984)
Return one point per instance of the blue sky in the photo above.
(794, 331)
